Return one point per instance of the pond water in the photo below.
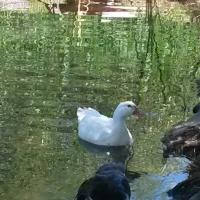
(51, 64)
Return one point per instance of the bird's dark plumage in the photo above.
(184, 138)
(190, 188)
(109, 183)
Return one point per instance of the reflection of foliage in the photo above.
(51, 64)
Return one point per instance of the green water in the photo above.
(52, 64)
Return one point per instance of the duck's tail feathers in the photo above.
(82, 112)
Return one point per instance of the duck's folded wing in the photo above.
(82, 112)
(95, 129)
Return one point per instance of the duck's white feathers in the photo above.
(96, 121)
(98, 129)
(82, 112)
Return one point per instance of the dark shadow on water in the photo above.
(117, 153)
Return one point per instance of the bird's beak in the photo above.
(137, 112)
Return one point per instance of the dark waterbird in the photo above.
(190, 188)
(109, 183)
(184, 139)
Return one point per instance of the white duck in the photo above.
(101, 130)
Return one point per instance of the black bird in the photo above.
(109, 183)
(184, 139)
(190, 188)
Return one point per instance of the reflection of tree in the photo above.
(159, 55)
(152, 45)
(49, 69)
(29, 104)
(151, 52)
(58, 7)
(8, 168)
(152, 42)
(193, 7)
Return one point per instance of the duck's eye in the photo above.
(129, 106)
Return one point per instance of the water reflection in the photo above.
(189, 11)
(14, 5)
(52, 64)
(116, 154)
(193, 8)
(123, 8)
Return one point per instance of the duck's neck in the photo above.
(119, 118)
